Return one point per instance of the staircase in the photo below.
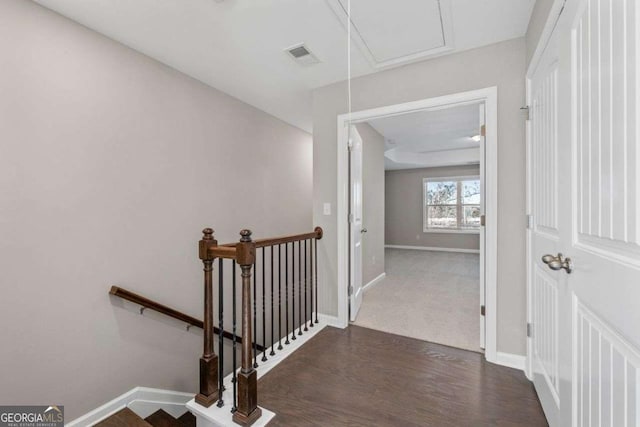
(127, 418)
(267, 299)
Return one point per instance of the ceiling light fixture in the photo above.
(476, 138)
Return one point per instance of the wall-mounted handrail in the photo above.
(155, 306)
(167, 311)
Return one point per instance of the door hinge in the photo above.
(350, 218)
(483, 130)
(525, 110)
(529, 330)
(350, 290)
(530, 222)
(349, 144)
(483, 220)
(482, 310)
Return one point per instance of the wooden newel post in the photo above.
(247, 412)
(209, 361)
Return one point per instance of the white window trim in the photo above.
(425, 229)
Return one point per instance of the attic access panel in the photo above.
(396, 32)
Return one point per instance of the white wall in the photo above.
(111, 164)
(501, 65)
(373, 196)
(539, 17)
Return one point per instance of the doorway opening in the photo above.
(420, 256)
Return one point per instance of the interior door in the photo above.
(356, 230)
(545, 284)
(601, 224)
(586, 206)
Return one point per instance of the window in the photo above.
(452, 204)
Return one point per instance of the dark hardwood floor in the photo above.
(362, 377)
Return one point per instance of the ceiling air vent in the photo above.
(302, 55)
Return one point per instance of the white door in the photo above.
(545, 234)
(586, 205)
(356, 230)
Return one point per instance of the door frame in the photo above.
(487, 95)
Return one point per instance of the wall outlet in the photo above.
(326, 209)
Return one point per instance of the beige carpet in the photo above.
(432, 296)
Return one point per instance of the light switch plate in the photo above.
(326, 209)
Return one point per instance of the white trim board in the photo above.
(489, 96)
(214, 416)
(374, 281)
(330, 320)
(141, 400)
(145, 401)
(433, 248)
(511, 360)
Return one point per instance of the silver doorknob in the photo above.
(364, 230)
(558, 262)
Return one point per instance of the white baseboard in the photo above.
(222, 417)
(510, 360)
(434, 248)
(331, 321)
(141, 400)
(374, 281)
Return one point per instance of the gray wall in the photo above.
(372, 202)
(111, 164)
(501, 65)
(404, 209)
(539, 17)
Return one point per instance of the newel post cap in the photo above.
(207, 234)
(205, 244)
(246, 249)
(246, 235)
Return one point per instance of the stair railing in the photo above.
(295, 310)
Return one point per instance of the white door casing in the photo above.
(356, 229)
(488, 96)
(483, 140)
(594, 310)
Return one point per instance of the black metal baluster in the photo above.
(279, 297)
(293, 291)
(306, 285)
(300, 287)
(234, 381)
(255, 317)
(286, 292)
(311, 283)
(315, 277)
(271, 353)
(220, 334)
(264, 306)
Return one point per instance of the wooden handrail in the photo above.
(243, 253)
(155, 306)
(260, 243)
(168, 311)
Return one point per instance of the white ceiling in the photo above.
(430, 138)
(237, 46)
